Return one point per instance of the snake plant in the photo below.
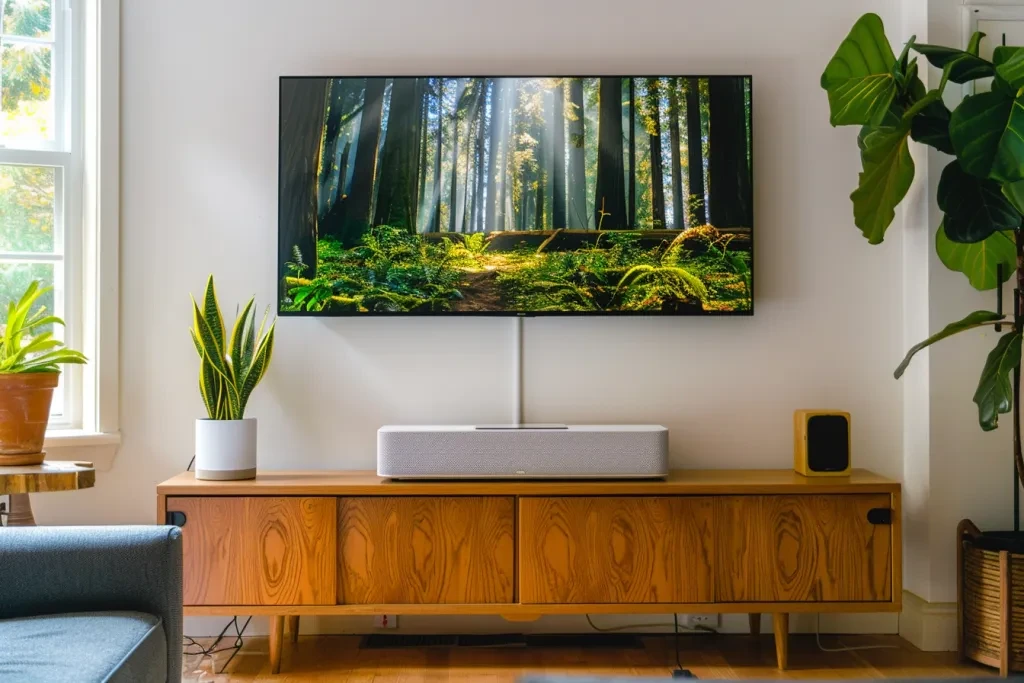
(229, 367)
(20, 350)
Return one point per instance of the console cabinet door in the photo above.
(580, 550)
(258, 550)
(802, 548)
(401, 550)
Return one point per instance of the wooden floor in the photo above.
(339, 658)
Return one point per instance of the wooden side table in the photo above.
(18, 482)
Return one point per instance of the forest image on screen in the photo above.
(515, 195)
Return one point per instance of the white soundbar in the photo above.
(522, 451)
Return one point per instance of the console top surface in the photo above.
(678, 482)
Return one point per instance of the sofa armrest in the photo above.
(48, 570)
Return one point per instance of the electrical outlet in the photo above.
(385, 621)
(701, 620)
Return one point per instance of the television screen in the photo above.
(515, 196)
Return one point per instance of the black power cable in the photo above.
(679, 672)
(191, 642)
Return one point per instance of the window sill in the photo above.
(80, 445)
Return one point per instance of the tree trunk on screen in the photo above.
(558, 151)
(539, 133)
(631, 203)
(453, 208)
(610, 194)
(506, 217)
(360, 198)
(421, 190)
(341, 190)
(396, 191)
(332, 224)
(577, 204)
(657, 174)
(332, 127)
(467, 180)
(479, 172)
(727, 159)
(678, 220)
(496, 126)
(435, 221)
(303, 104)
(694, 154)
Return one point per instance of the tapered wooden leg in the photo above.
(20, 512)
(755, 624)
(781, 623)
(293, 628)
(276, 638)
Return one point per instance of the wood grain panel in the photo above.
(51, 475)
(258, 551)
(615, 550)
(802, 548)
(437, 550)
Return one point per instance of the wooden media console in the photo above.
(288, 544)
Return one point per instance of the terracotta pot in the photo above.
(24, 413)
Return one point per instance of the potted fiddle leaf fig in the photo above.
(30, 360)
(230, 367)
(981, 195)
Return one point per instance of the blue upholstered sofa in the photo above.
(90, 604)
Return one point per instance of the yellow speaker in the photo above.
(821, 443)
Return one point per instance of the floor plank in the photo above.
(339, 658)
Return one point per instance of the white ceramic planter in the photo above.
(226, 449)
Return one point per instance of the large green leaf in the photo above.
(237, 337)
(965, 66)
(258, 368)
(995, 391)
(212, 349)
(887, 175)
(979, 261)
(211, 312)
(1009, 62)
(1014, 192)
(974, 44)
(931, 127)
(987, 131)
(975, 319)
(974, 207)
(859, 78)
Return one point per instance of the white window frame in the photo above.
(61, 153)
(91, 257)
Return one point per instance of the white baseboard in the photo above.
(929, 626)
(569, 623)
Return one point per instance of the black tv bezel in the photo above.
(517, 314)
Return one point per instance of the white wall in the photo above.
(970, 472)
(199, 195)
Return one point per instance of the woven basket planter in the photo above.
(990, 599)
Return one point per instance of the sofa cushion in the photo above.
(84, 646)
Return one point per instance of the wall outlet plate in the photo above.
(385, 621)
(701, 620)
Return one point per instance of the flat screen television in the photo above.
(515, 196)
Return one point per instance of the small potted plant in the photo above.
(30, 360)
(229, 370)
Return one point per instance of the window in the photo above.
(40, 161)
(59, 148)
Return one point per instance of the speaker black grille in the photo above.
(828, 443)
